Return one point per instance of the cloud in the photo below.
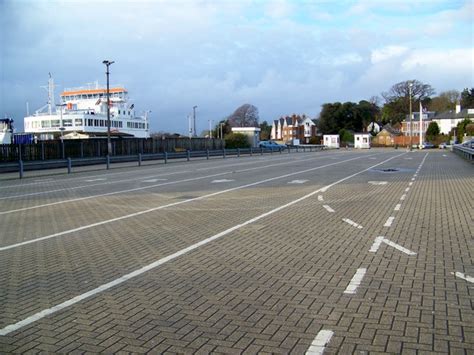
(386, 53)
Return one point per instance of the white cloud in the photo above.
(386, 53)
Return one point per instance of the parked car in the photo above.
(444, 145)
(427, 145)
(469, 144)
(271, 145)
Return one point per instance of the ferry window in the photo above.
(67, 122)
(90, 122)
(96, 123)
(78, 122)
(101, 123)
(129, 125)
(119, 112)
(45, 124)
(129, 113)
(55, 123)
(120, 124)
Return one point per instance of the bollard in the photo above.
(20, 168)
(279, 148)
(223, 153)
(166, 157)
(310, 149)
(238, 152)
(289, 148)
(139, 159)
(188, 155)
(261, 150)
(107, 161)
(207, 154)
(271, 151)
(251, 150)
(42, 150)
(69, 165)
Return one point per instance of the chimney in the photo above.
(458, 107)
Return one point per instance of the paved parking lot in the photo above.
(334, 251)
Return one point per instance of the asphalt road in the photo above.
(334, 251)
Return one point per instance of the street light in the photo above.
(109, 144)
(194, 120)
(210, 128)
(410, 85)
(220, 126)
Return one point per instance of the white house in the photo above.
(331, 140)
(362, 140)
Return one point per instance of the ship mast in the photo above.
(50, 89)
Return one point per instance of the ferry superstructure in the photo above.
(82, 113)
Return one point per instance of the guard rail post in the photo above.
(69, 165)
(188, 154)
(238, 152)
(139, 159)
(223, 153)
(261, 150)
(251, 150)
(20, 168)
(107, 161)
(166, 157)
(207, 154)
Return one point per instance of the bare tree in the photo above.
(419, 91)
(244, 116)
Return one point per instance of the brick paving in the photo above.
(267, 287)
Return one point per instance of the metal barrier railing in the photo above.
(69, 163)
(464, 151)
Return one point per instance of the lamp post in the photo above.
(220, 126)
(109, 144)
(210, 129)
(411, 128)
(194, 120)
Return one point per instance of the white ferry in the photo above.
(6, 130)
(82, 113)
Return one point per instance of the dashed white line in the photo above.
(329, 209)
(376, 244)
(403, 197)
(378, 182)
(352, 223)
(297, 181)
(154, 180)
(389, 222)
(356, 280)
(98, 179)
(320, 198)
(407, 189)
(397, 207)
(410, 183)
(463, 276)
(221, 180)
(319, 343)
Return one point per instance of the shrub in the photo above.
(236, 140)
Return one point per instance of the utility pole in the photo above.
(194, 120)
(411, 123)
(109, 143)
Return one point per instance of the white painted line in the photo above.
(415, 175)
(410, 183)
(98, 179)
(355, 282)
(397, 207)
(379, 240)
(372, 158)
(319, 343)
(320, 198)
(329, 209)
(55, 235)
(412, 179)
(463, 276)
(376, 244)
(155, 180)
(444, 155)
(352, 223)
(407, 189)
(221, 180)
(43, 180)
(408, 158)
(403, 197)
(389, 221)
(378, 182)
(297, 181)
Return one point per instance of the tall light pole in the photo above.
(194, 120)
(109, 144)
(411, 123)
(210, 128)
(220, 126)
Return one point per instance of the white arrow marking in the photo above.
(329, 209)
(319, 343)
(221, 180)
(154, 180)
(297, 181)
(380, 240)
(356, 280)
(100, 179)
(352, 223)
(320, 198)
(463, 276)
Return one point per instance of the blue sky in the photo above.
(282, 56)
